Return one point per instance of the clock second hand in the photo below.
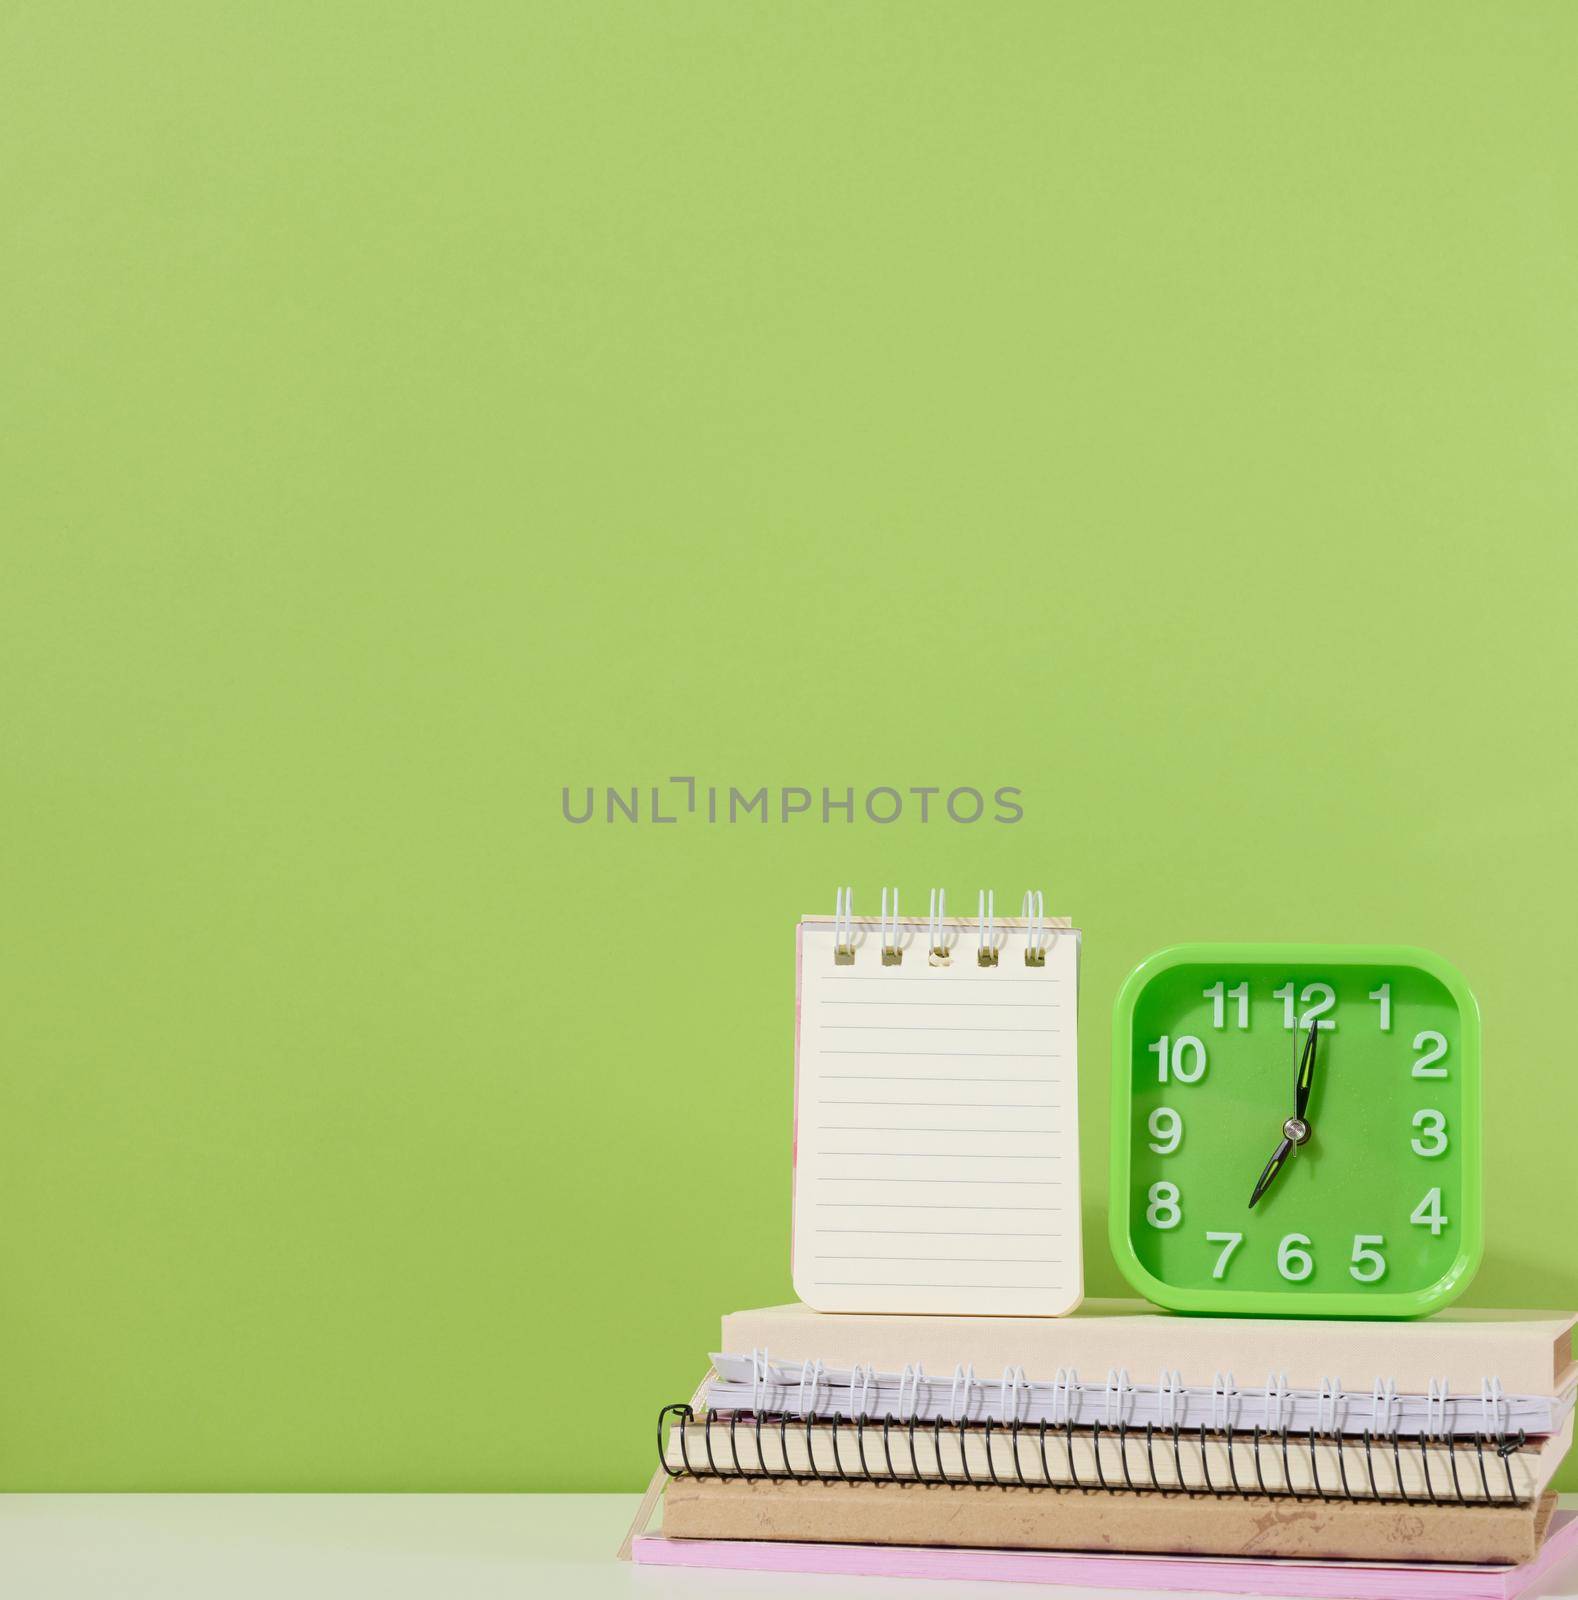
(1295, 1131)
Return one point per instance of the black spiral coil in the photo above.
(853, 1462)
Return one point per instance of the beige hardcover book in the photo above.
(1240, 1464)
(1529, 1352)
(1032, 1519)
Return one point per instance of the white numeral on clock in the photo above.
(1294, 1262)
(1434, 1137)
(1219, 994)
(1166, 1130)
(1367, 1264)
(1317, 999)
(1185, 1056)
(1230, 1242)
(1164, 1211)
(1285, 995)
(1384, 995)
(1427, 1214)
(1432, 1047)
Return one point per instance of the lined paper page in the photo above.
(937, 1124)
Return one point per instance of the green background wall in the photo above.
(410, 410)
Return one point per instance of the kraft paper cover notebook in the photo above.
(1011, 1518)
(936, 1136)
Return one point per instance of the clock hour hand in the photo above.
(1273, 1167)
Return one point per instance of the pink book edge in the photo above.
(1170, 1574)
(794, 1110)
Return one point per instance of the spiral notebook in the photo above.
(1459, 1350)
(979, 1431)
(758, 1383)
(805, 1477)
(1484, 1470)
(936, 1143)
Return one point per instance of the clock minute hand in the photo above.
(1305, 1079)
(1273, 1167)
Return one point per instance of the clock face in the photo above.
(1336, 1088)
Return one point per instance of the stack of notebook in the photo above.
(946, 1411)
(1177, 1452)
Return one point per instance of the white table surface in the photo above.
(63, 1547)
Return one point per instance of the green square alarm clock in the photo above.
(1296, 1130)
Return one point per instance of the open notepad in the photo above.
(936, 1114)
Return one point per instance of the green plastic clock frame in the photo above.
(1376, 1150)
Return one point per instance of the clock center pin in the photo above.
(1296, 1129)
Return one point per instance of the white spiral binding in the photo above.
(810, 1372)
(913, 1377)
(1224, 1402)
(1169, 1390)
(1118, 1390)
(1383, 1406)
(1276, 1399)
(890, 946)
(1065, 1385)
(989, 937)
(760, 1380)
(1064, 1401)
(986, 929)
(959, 1393)
(844, 922)
(1437, 1399)
(936, 939)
